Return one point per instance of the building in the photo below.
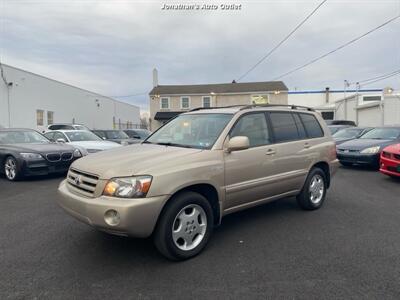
(324, 100)
(167, 101)
(34, 101)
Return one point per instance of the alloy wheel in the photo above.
(189, 227)
(316, 189)
(10, 168)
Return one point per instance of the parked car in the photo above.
(66, 126)
(117, 136)
(335, 128)
(140, 134)
(390, 161)
(25, 152)
(198, 167)
(367, 148)
(349, 133)
(341, 122)
(81, 138)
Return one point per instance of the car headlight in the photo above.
(31, 156)
(128, 187)
(371, 150)
(77, 153)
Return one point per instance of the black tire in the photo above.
(11, 160)
(304, 199)
(346, 164)
(163, 236)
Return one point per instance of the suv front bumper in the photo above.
(137, 217)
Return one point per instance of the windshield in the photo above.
(192, 130)
(22, 137)
(116, 134)
(382, 134)
(82, 136)
(348, 133)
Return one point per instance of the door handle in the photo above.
(270, 152)
(307, 145)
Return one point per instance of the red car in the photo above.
(390, 160)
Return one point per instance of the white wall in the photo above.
(30, 92)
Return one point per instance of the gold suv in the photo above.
(202, 165)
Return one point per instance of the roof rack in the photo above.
(245, 106)
(277, 105)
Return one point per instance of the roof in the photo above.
(221, 88)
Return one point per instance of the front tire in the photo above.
(184, 227)
(313, 194)
(11, 169)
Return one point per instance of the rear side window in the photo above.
(283, 126)
(312, 126)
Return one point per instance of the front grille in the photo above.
(66, 156)
(53, 157)
(396, 156)
(393, 169)
(82, 182)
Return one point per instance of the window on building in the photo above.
(39, 117)
(254, 126)
(372, 98)
(164, 103)
(206, 101)
(327, 115)
(283, 126)
(185, 102)
(50, 117)
(259, 99)
(312, 126)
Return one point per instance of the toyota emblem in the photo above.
(78, 180)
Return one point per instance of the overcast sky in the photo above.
(111, 46)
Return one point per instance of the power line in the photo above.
(377, 77)
(336, 49)
(380, 79)
(127, 96)
(282, 41)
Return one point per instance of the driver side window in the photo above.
(255, 127)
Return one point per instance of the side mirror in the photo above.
(60, 141)
(238, 143)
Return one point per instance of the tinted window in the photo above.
(312, 126)
(99, 133)
(254, 126)
(300, 127)
(284, 126)
(382, 134)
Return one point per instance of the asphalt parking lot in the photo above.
(348, 249)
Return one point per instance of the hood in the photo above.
(98, 145)
(40, 148)
(360, 144)
(131, 160)
(393, 149)
(125, 141)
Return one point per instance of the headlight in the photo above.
(31, 156)
(77, 153)
(128, 187)
(371, 150)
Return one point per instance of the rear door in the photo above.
(292, 151)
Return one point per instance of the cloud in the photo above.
(111, 47)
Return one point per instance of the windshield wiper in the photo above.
(174, 145)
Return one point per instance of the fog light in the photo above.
(111, 217)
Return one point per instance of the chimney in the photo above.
(327, 95)
(155, 77)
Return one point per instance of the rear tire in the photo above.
(184, 227)
(313, 193)
(11, 169)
